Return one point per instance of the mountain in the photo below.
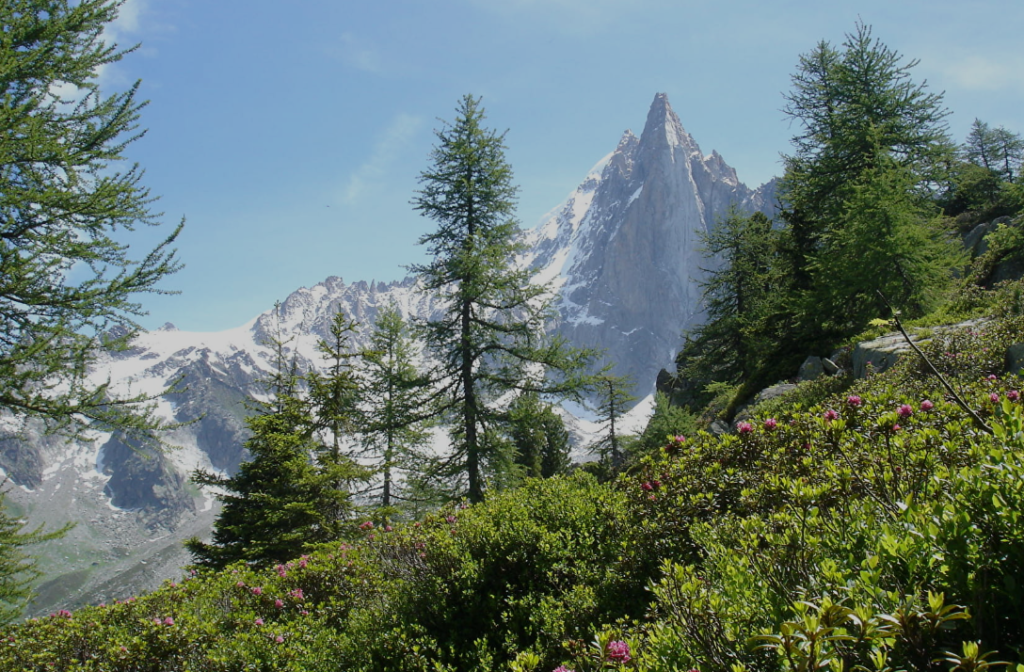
(622, 255)
(624, 250)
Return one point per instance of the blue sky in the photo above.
(291, 134)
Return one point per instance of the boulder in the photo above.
(880, 354)
(831, 368)
(811, 369)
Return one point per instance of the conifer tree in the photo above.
(64, 204)
(867, 131)
(538, 436)
(613, 401)
(281, 499)
(737, 294)
(490, 339)
(395, 404)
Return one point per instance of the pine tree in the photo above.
(395, 404)
(726, 347)
(281, 499)
(63, 205)
(613, 402)
(867, 132)
(538, 437)
(490, 339)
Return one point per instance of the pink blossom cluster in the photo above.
(618, 651)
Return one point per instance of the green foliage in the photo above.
(870, 529)
(725, 348)
(293, 490)
(393, 406)
(68, 282)
(490, 339)
(539, 437)
(17, 569)
(883, 243)
(666, 422)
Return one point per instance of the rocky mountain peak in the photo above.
(664, 132)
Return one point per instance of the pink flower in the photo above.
(168, 621)
(388, 528)
(896, 428)
(156, 621)
(257, 591)
(304, 612)
(259, 621)
(450, 520)
(279, 639)
(992, 377)
(744, 427)
(279, 604)
(647, 486)
(562, 668)
(618, 651)
(1013, 395)
(240, 584)
(296, 594)
(282, 571)
(994, 397)
(854, 400)
(656, 483)
(905, 411)
(830, 415)
(770, 423)
(679, 438)
(368, 525)
(927, 405)
(303, 561)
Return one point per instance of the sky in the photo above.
(290, 135)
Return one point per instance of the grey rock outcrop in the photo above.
(630, 278)
(879, 354)
(812, 368)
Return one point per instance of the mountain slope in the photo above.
(623, 259)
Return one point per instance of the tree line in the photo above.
(872, 203)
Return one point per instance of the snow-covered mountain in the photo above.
(621, 255)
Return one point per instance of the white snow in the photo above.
(636, 195)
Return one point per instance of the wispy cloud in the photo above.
(976, 72)
(360, 54)
(385, 152)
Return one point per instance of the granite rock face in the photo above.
(624, 251)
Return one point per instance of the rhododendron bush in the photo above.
(876, 526)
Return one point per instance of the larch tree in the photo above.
(613, 402)
(737, 291)
(69, 284)
(866, 131)
(394, 400)
(490, 340)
